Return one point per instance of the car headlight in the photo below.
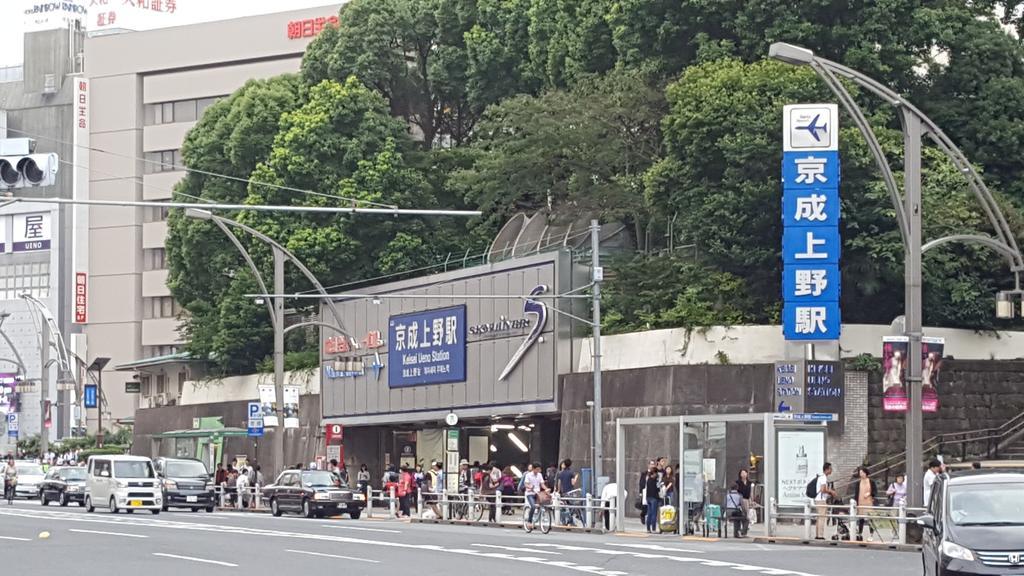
(321, 496)
(359, 497)
(170, 485)
(121, 483)
(72, 488)
(210, 486)
(957, 551)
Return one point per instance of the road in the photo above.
(253, 544)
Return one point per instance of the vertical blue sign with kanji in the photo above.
(811, 243)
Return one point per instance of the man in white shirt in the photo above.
(534, 484)
(823, 491)
(934, 469)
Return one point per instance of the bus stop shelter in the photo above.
(781, 452)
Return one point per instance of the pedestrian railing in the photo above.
(582, 512)
(888, 522)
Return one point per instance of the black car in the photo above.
(976, 524)
(313, 493)
(64, 485)
(186, 484)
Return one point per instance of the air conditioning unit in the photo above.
(160, 400)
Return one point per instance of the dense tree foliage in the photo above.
(662, 116)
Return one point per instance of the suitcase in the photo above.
(668, 519)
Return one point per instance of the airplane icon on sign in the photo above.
(813, 128)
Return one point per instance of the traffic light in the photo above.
(28, 171)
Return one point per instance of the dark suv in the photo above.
(186, 484)
(975, 525)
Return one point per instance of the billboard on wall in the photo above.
(894, 373)
(496, 351)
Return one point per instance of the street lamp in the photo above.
(915, 125)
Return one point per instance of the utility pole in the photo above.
(912, 302)
(597, 418)
(44, 384)
(278, 446)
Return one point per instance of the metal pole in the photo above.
(279, 452)
(99, 409)
(597, 275)
(44, 381)
(912, 302)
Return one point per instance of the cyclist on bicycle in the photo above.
(535, 486)
(465, 477)
(10, 479)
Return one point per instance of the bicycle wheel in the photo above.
(477, 513)
(547, 518)
(526, 519)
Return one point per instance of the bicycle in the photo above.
(572, 500)
(543, 514)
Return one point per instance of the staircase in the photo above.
(1012, 449)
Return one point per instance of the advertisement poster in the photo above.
(932, 350)
(894, 373)
(894, 364)
(7, 389)
(800, 454)
(291, 406)
(693, 476)
(268, 403)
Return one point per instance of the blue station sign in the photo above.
(427, 347)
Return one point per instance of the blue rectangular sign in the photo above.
(89, 396)
(255, 426)
(810, 283)
(811, 321)
(811, 245)
(806, 170)
(810, 207)
(427, 347)
(12, 425)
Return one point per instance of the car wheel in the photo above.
(354, 514)
(155, 511)
(88, 504)
(81, 504)
(275, 509)
(209, 508)
(64, 500)
(113, 505)
(164, 508)
(42, 499)
(307, 509)
(195, 509)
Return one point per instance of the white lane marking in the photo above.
(686, 559)
(251, 531)
(339, 526)
(193, 559)
(15, 538)
(107, 533)
(657, 547)
(333, 556)
(514, 549)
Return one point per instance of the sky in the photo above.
(189, 12)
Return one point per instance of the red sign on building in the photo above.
(81, 298)
(334, 433)
(310, 27)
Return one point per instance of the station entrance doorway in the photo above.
(781, 453)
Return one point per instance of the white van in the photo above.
(122, 483)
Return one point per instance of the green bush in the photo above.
(109, 449)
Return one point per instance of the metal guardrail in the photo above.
(893, 518)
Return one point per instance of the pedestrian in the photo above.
(653, 499)
(975, 465)
(242, 488)
(363, 478)
(609, 500)
(897, 491)
(743, 488)
(220, 476)
(864, 493)
(565, 481)
(488, 488)
(641, 490)
(934, 469)
(436, 480)
(405, 492)
(822, 493)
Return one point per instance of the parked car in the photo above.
(313, 493)
(186, 483)
(122, 483)
(30, 476)
(64, 485)
(976, 524)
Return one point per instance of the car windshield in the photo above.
(133, 469)
(186, 469)
(29, 470)
(319, 479)
(986, 505)
(73, 474)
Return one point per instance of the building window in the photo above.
(146, 386)
(163, 161)
(178, 111)
(156, 351)
(161, 383)
(181, 383)
(154, 259)
(32, 278)
(156, 213)
(160, 307)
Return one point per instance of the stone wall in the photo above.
(848, 450)
(973, 394)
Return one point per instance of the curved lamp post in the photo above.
(275, 306)
(915, 126)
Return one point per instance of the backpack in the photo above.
(812, 488)
(507, 483)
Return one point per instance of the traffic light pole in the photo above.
(44, 385)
